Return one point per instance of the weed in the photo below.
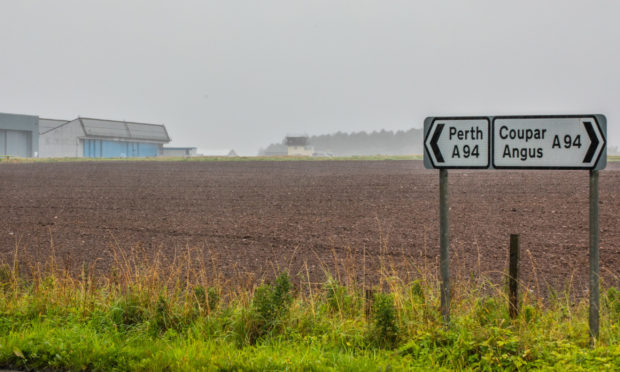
(529, 313)
(200, 295)
(128, 311)
(6, 275)
(487, 311)
(163, 318)
(612, 302)
(385, 332)
(339, 301)
(270, 306)
(213, 299)
(417, 292)
(206, 300)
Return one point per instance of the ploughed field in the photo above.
(359, 220)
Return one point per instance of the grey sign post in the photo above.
(594, 272)
(518, 142)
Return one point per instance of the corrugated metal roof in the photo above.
(124, 129)
(46, 125)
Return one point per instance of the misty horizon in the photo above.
(237, 75)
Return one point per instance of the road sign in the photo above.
(516, 142)
(549, 142)
(457, 142)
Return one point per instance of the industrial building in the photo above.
(97, 138)
(19, 135)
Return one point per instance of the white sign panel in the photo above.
(559, 142)
(457, 142)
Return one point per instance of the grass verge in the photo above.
(50, 319)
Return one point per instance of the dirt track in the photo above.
(250, 217)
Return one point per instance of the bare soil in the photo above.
(249, 220)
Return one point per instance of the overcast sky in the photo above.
(242, 74)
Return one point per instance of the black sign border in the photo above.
(603, 138)
(455, 118)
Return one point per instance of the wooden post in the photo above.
(369, 298)
(513, 277)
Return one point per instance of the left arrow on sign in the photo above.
(434, 140)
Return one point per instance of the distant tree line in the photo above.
(382, 142)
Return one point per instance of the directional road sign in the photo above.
(549, 142)
(516, 142)
(457, 142)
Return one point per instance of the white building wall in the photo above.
(62, 142)
(300, 150)
(167, 151)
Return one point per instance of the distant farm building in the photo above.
(298, 146)
(218, 153)
(19, 135)
(97, 138)
(179, 151)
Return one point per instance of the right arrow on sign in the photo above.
(593, 141)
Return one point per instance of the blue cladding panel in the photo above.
(111, 149)
(92, 149)
(2, 142)
(147, 149)
(117, 149)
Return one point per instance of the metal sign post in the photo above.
(517, 142)
(594, 240)
(444, 243)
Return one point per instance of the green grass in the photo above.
(147, 317)
(14, 160)
(613, 158)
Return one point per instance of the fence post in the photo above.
(369, 297)
(513, 277)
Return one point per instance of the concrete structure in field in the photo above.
(19, 135)
(97, 138)
(179, 151)
(298, 146)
